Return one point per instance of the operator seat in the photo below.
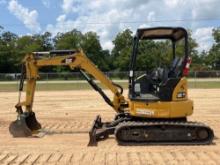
(175, 67)
(168, 85)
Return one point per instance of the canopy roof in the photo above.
(174, 34)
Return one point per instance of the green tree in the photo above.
(89, 42)
(8, 52)
(92, 47)
(213, 58)
(27, 44)
(122, 50)
(68, 40)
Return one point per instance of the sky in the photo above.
(108, 17)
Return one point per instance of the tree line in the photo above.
(14, 47)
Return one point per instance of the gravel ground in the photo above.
(66, 118)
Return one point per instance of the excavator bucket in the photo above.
(25, 124)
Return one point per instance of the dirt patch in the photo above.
(67, 117)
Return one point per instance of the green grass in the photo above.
(85, 86)
(54, 87)
(211, 84)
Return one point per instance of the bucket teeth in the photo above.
(24, 125)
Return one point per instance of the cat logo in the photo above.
(68, 60)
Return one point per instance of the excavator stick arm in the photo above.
(26, 121)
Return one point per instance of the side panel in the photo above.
(180, 92)
(173, 109)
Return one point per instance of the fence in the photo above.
(111, 75)
(73, 80)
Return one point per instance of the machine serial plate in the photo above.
(145, 112)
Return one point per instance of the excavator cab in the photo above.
(158, 84)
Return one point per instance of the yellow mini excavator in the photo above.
(157, 106)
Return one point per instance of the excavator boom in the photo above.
(74, 60)
(26, 122)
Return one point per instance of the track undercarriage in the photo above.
(130, 130)
(136, 131)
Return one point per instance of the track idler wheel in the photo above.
(25, 124)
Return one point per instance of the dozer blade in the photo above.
(25, 124)
(99, 131)
(92, 133)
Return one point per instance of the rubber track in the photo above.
(145, 124)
